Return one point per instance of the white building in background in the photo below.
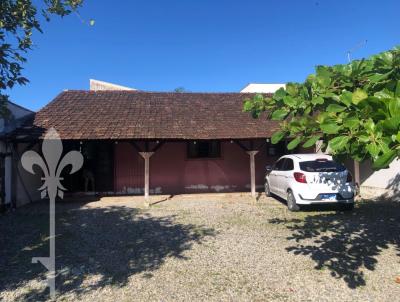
(17, 115)
(101, 85)
(262, 88)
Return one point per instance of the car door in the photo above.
(273, 177)
(279, 177)
(285, 176)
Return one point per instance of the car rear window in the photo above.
(321, 166)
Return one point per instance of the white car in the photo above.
(305, 179)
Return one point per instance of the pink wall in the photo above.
(172, 172)
(128, 169)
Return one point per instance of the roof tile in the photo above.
(151, 115)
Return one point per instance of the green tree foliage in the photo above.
(18, 20)
(354, 109)
(180, 89)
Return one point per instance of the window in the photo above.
(321, 166)
(204, 149)
(288, 166)
(285, 164)
(279, 165)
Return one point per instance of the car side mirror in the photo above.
(268, 168)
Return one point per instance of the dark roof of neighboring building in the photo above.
(79, 115)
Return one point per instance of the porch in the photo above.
(170, 166)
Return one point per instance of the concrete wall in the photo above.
(26, 184)
(383, 179)
(19, 185)
(17, 113)
(172, 172)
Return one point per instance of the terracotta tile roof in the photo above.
(150, 115)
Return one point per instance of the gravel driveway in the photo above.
(203, 248)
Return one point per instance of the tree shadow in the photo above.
(345, 243)
(394, 185)
(109, 244)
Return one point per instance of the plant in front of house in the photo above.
(354, 109)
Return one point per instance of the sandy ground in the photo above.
(216, 247)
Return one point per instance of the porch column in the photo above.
(146, 156)
(357, 175)
(252, 172)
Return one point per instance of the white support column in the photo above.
(357, 174)
(252, 172)
(146, 156)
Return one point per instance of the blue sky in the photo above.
(201, 45)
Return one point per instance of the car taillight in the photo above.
(300, 177)
(349, 177)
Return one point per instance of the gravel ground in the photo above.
(203, 248)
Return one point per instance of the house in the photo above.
(16, 116)
(137, 142)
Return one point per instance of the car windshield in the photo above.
(321, 166)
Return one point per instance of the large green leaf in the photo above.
(363, 138)
(294, 143)
(377, 77)
(370, 125)
(291, 89)
(317, 100)
(247, 105)
(323, 76)
(335, 108)
(358, 96)
(279, 114)
(289, 101)
(373, 149)
(346, 98)
(394, 107)
(338, 143)
(332, 96)
(384, 94)
(279, 94)
(296, 126)
(351, 122)
(277, 137)
(330, 127)
(391, 124)
(311, 141)
(385, 159)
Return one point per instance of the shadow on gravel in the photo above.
(108, 244)
(346, 242)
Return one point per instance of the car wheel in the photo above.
(267, 190)
(347, 207)
(291, 202)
